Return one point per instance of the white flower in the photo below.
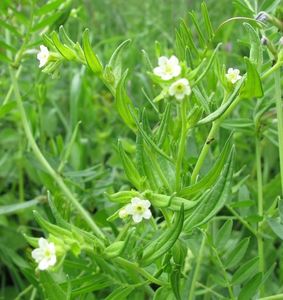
(167, 67)
(180, 88)
(45, 255)
(138, 209)
(43, 56)
(233, 75)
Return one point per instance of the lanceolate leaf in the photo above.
(245, 271)
(237, 254)
(155, 249)
(221, 110)
(256, 46)
(91, 58)
(120, 293)
(211, 177)
(51, 289)
(211, 202)
(123, 103)
(64, 50)
(129, 168)
(251, 287)
(223, 234)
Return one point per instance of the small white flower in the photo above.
(138, 209)
(45, 255)
(167, 67)
(180, 88)
(43, 56)
(233, 75)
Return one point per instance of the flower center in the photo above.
(168, 68)
(139, 209)
(47, 253)
(179, 88)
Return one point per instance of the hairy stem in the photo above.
(182, 144)
(260, 205)
(197, 269)
(279, 111)
(57, 178)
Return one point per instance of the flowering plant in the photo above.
(174, 192)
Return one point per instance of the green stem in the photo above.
(24, 292)
(84, 214)
(274, 297)
(260, 205)
(279, 111)
(242, 220)
(271, 70)
(215, 126)
(204, 151)
(197, 269)
(182, 144)
(135, 267)
(225, 275)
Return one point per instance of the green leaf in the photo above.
(237, 254)
(207, 22)
(256, 46)
(91, 58)
(114, 67)
(156, 248)
(15, 208)
(221, 110)
(245, 271)
(276, 227)
(252, 87)
(162, 131)
(120, 293)
(175, 282)
(65, 51)
(124, 104)
(212, 201)
(51, 289)
(96, 283)
(51, 6)
(48, 21)
(211, 177)
(9, 27)
(115, 249)
(207, 66)
(163, 293)
(150, 141)
(51, 228)
(129, 168)
(223, 234)
(172, 202)
(249, 289)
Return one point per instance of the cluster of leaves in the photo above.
(193, 177)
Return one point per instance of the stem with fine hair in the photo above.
(279, 111)
(57, 178)
(197, 269)
(215, 126)
(182, 144)
(260, 206)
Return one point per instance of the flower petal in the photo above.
(137, 218)
(147, 214)
(43, 265)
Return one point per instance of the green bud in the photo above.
(115, 249)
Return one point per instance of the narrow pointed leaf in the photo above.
(91, 58)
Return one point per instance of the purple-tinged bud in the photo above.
(262, 17)
(264, 40)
